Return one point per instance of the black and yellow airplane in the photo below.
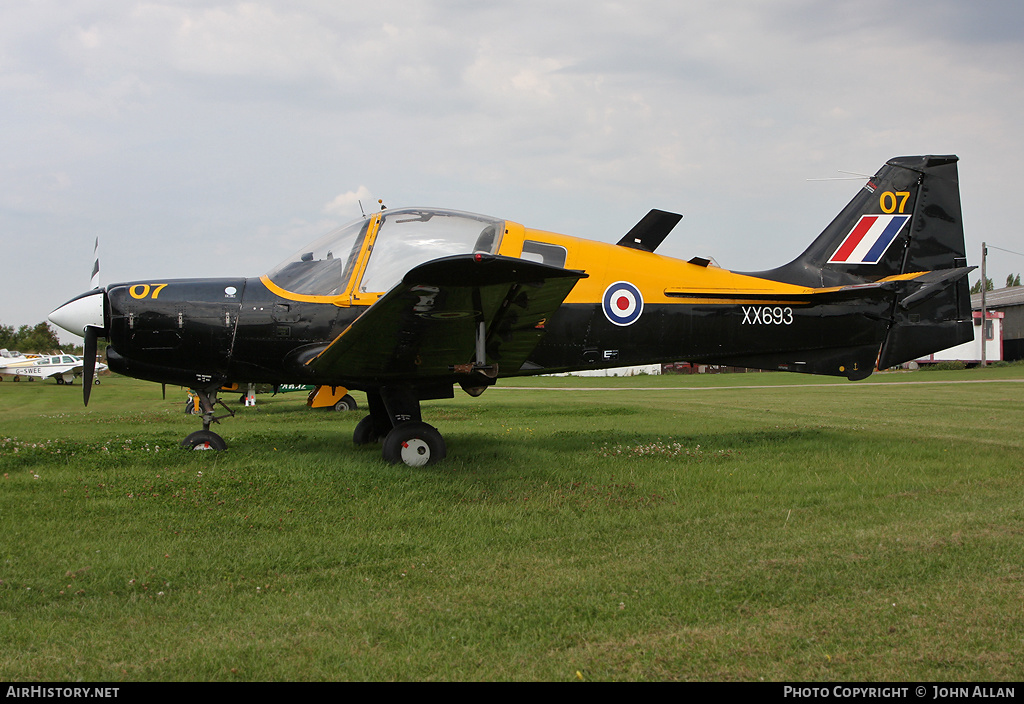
(406, 304)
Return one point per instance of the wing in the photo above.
(441, 313)
(61, 370)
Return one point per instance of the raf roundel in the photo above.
(623, 303)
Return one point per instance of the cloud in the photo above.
(176, 129)
(351, 204)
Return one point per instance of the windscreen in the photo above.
(324, 267)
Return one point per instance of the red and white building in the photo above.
(970, 352)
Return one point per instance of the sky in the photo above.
(204, 138)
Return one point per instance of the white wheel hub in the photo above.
(415, 452)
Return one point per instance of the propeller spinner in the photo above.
(83, 315)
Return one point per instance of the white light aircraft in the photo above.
(63, 368)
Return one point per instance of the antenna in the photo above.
(853, 176)
(361, 208)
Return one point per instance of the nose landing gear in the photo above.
(206, 439)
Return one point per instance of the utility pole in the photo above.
(984, 313)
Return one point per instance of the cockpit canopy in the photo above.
(379, 250)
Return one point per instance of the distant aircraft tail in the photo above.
(906, 220)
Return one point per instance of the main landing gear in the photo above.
(395, 422)
(206, 439)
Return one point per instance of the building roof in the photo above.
(999, 298)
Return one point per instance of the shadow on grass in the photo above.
(336, 442)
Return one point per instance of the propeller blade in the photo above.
(89, 361)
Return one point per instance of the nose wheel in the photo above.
(204, 440)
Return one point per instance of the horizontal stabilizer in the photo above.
(935, 315)
(934, 283)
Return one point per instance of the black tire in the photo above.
(366, 432)
(415, 444)
(347, 403)
(204, 440)
(59, 379)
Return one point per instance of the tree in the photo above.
(7, 336)
(1012, 280)
(989, 286)
(40, 338)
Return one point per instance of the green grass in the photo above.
(835, 531)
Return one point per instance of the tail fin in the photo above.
(906, 219)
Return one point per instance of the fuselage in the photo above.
(633, 307)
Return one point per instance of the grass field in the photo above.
(619, 531)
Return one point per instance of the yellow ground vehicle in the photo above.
(336, 397)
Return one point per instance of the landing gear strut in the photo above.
(206, 439)
(395, 421)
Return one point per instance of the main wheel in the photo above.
(347, 403)
(414, 443)
(59, 379)
(204, 440)
(366, 432)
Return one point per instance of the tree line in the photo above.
(40, 338)
(1011, 280)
